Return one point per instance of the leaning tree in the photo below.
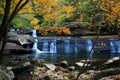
(9, 9)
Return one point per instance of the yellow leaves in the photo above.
(1, 10)
(2, 5)
(69, 10)
(35, 21)
(112, 8)
(52, 11)
(54, 31)
(36, 27)
(44, 6)
(27, 8)
(106, 4)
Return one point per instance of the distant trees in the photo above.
(112, 11)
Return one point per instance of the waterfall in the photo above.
(35, 48)
(53, 47)
(45, 46)
(115, 45)
(67, 45)
(76, 50)
(34, 33)
(89, 46)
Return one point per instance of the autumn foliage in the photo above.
(112, 9)
(54, 13)
(54, 31)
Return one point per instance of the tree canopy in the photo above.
(54, 13)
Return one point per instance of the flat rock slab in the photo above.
(80, 64)
(16, 49)
(50, 66)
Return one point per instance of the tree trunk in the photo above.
(4, 27)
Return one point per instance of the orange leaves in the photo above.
(66, 30)
(112, 8)
(106, 4)
(1, 10)
(49, 30)
(54, 31)
(35, 21)
(52, 11)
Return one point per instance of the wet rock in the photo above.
(83, 61)
(113, 62)
(50, 66)
(37, 62)
(17, 49)
(113, 77)
(23, 76)
(20, 38)
(47, 78)
(71, 68)
(11, 74)
(80, 64)
(85, 76)
(6, 74)
(9, 68)
(64, 64)
(64, 70)
(18, 70)
(27, 64)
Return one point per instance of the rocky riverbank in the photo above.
(38, 69)
(19, 68)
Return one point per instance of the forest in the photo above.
(54, 18)
(59, 17)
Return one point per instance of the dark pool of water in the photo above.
(72, 57)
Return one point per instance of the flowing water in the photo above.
(56, 49)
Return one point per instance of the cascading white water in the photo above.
(35, 48)
(45, 46)
(67, 45)
(34, 33)
(76, 50)
(53, 47)
(89, 45)
(115, 45)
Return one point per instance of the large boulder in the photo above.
(22, 39)
(112, 63)
(17, 49)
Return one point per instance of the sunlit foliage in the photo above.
(52, 11)
(54, 31)
(112, 8)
